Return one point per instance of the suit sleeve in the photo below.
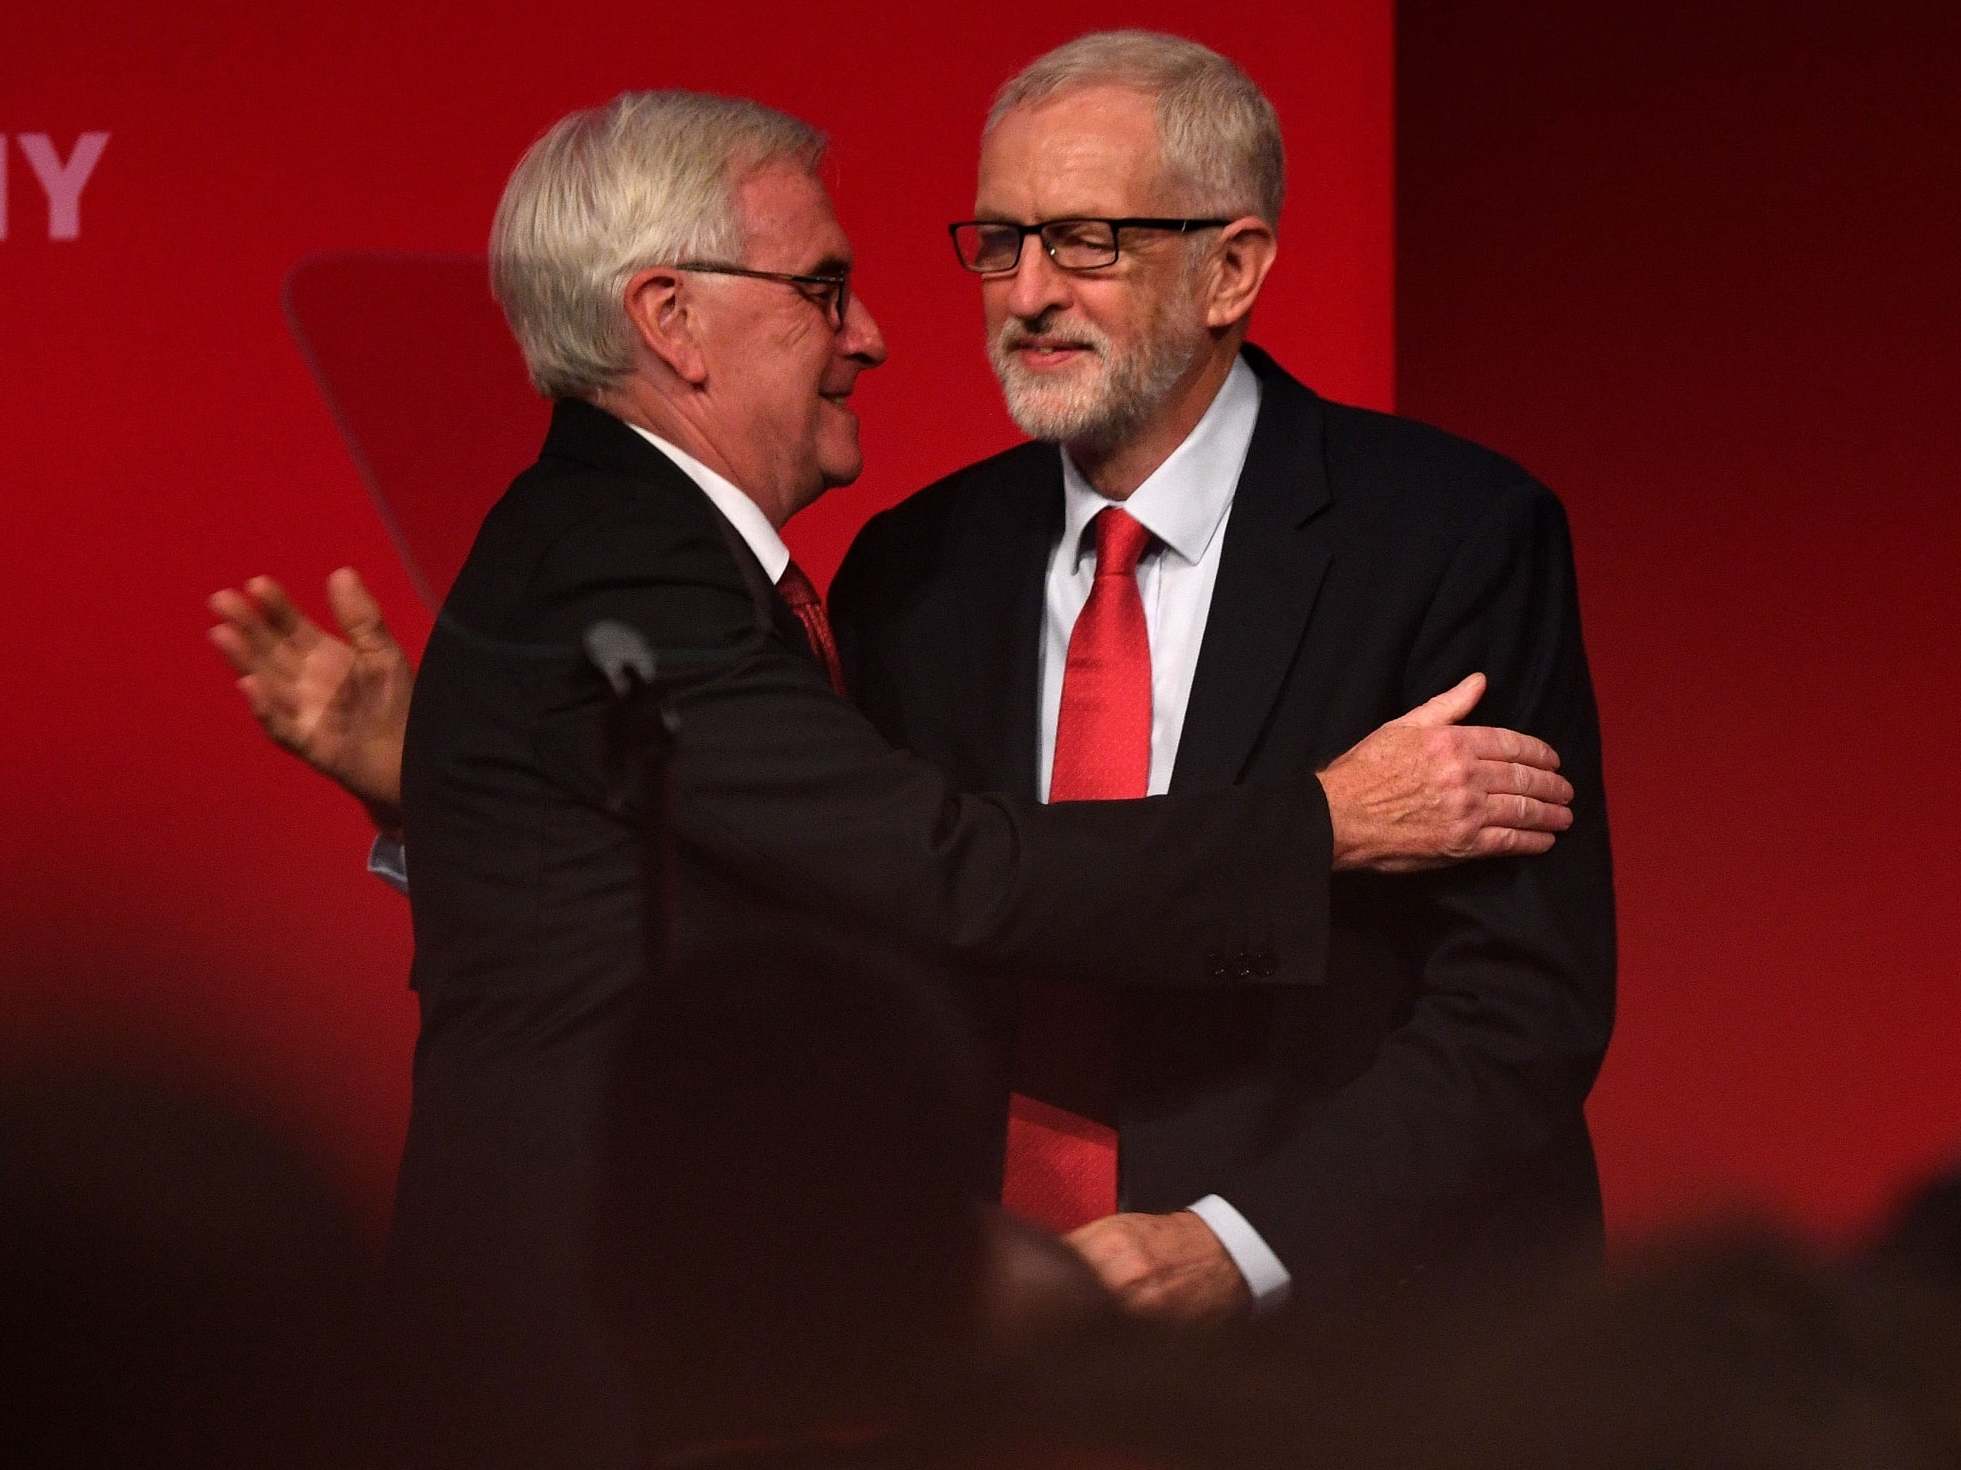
(1478, 1097)
(781, 783)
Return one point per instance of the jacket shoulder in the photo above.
(906, 542)
(995, 484)
(563, 526)
(1442, 474)
(1383, 466)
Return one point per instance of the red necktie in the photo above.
(1061, 1165)
(796, 589)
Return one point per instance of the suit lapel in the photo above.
(589, 435)
(999, 608)
(1269, 574)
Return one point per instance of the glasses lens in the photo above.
(988, 247)
(1080, 244)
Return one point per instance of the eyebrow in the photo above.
(830, 265)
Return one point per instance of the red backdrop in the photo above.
(180, 896)
(1699, 279)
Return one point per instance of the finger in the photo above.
(1449, 707)
(233, 606)
(231, 643)
(1510, 842)
(1514, 778)
(1115, 1263)
(1526, 815)
(1088, 1232)
(1092, 1250)
(243, 616)
(358, 614)
(1492, 743)
(256, 699)
(281, 615)
(262, 660)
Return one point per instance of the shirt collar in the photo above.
(1183, 501)
(740, 511)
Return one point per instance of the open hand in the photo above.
(340, 706)
(1424, 791)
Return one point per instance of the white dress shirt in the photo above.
(737, 508)
(1185, 504)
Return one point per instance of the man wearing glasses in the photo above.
(1211, 576)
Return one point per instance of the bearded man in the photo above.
(1291, 572)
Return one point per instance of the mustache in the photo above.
(1049, 329)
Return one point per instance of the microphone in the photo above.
(621, 655)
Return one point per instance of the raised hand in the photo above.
(1424, 791)
(340, 706)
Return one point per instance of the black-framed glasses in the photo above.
(830, 294)
(992, 247)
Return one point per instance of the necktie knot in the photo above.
(797, 591)
(1120, 541)
(796, 588)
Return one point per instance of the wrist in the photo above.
(1347, 851)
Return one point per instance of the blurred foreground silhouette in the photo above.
(184, 1289)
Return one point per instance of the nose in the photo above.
(1036, 283)
(859, 337)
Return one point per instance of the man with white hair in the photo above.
(760, 1120)
(1293, 571)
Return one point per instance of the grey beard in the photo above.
(1099, 414)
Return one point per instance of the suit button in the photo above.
(1264, 963)
(1215, 965)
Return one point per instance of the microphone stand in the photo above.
(640, 731)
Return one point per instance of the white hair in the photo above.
(1220, 135)
(648, 179)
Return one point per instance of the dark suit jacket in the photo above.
(1422, 1102)
(770, 1113)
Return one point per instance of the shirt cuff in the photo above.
(388, 860)
(1266, 1278)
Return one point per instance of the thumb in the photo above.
(1449, 707)
(358, 614)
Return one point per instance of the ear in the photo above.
(1245, 254)
(664, 322)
